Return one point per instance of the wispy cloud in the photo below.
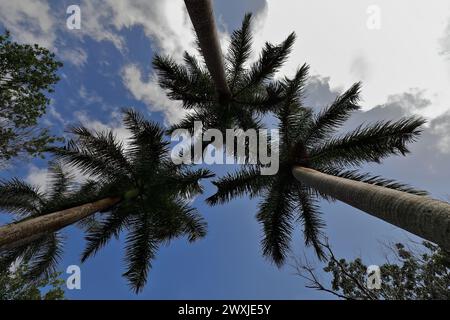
(151, 93)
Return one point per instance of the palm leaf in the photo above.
(369, 143)
(60, 182)
(310, 218)
(20, 198)
(44, 261)
(275, 214)
(245, 181)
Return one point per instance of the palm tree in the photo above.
(252, 92)
(314, 163)
(136, 187)
(202, 17)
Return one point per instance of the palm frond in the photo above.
(191, 88)
(140, 250)
(187, 181)
(46, 258)
(104, 146)
(60, 181)
(276, 214)
(98, 237)
(294, 87)
(267, 99)
(147, 146)
(20, 198)
(83, 159)
(239, 51)
(245, 181)
(375, 180)
(11, 256)
(208, 119)
(271, 59)
(310, 218)
(195, 226)
(335, 115)
(176, 219)
(369, 143)
(194, 66)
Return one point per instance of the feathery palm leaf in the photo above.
(154, 194)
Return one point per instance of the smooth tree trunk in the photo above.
(422, 216)
(202, 17)
(17, 234)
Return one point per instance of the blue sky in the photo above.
(108, 67)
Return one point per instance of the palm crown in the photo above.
(154, 194)
(26, 201)
(310, 140)
(252, 92)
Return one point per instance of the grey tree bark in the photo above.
(422, 216)
(202, 17)
(17, 234)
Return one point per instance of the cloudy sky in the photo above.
(399, 49)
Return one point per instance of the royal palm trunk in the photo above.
(201, 13)
(17, 234)
(423, 216)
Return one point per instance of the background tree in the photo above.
(137, 187)
(16, 286)
(412, 275)
(27, 74)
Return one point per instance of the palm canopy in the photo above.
(155, 194)
(252, 91)
(311, 140)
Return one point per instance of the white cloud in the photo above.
(115, 124)
(34, 21)
(30, 21)
(40, 176)
(360, 67)
(96, 22)
(151, 93)
(76, 56)
(441, 128)
(51, 110)
(166, 23)
(404, 54)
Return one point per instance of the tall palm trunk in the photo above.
(201, 13)
(423, 216)
(17, 234)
